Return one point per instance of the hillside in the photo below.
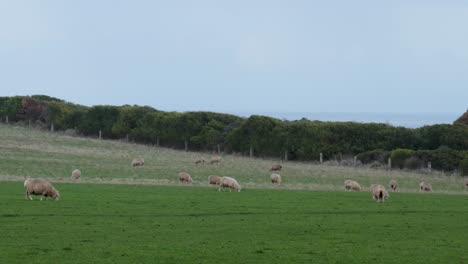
(463, 119)
(32, 152)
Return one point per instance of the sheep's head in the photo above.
(56, 195)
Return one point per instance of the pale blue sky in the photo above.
(240, 56)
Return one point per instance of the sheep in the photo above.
(276, 167)
(275, 178)
(76, 174)
(214, 180)
(379, 194)
(424, 186)
(228, 182)
(215, 159)
(138, 163)
(352, 185)
(185, 177)
(393, 185)
(465, 182)
(39, 187)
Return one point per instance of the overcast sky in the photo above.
(240, 56)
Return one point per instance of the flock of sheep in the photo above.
(227, 182)
(379, 193)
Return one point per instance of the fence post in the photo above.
(429, 166)
(52, 127)
(29, 123)
(157, 141)
(126, 137)
(321, 158)
(186, 145)
(6, 119)
(100, 134)
(285, 155)
(219, 148)
(251, 151)
(355, 161)
(389, 163)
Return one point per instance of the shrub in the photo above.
(399, 156)
(464, 166)
(413, 163)
(446, 159)
(378, 155)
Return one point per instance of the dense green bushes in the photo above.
(464, 166)
(377, 155)
(443, 145)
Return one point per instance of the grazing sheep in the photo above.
(228, 182)
(214, 180)
(215, 159)
(276, 167)
(393, 185)
(138, 163)
(39, 187)
(185, 177)
(352, 185)
(379, 194)
(275, 178)
(76, 174)
(202, 161)
(424, 186)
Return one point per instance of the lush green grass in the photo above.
(166, 224)
(30, 152)
(103, 223)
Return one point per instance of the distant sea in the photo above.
(410, 120)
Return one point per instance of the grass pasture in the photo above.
(117, 214)
(97, 223)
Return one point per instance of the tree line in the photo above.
(260, 136)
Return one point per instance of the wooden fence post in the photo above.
(389, 163)
(321, 158)
(251, 151)
(429, 166)
(285, 155)
(219, 148)
(6, 119)
(100, 134)
(355, 161)
(52, 127)
(186, 145)
(157, 141)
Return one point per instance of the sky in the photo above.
(240, 56)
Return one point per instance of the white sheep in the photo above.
(185, 177)
(215, 159)
(393, 185)
(138, 163)
(214, 180)
(276, 167)
(352, 185)
(275, 178)
(228, 182)
(40, 187)
(424, 186)
(379, 194)
(76, 174)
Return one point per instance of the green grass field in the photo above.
(147, 217)
(166, 224)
